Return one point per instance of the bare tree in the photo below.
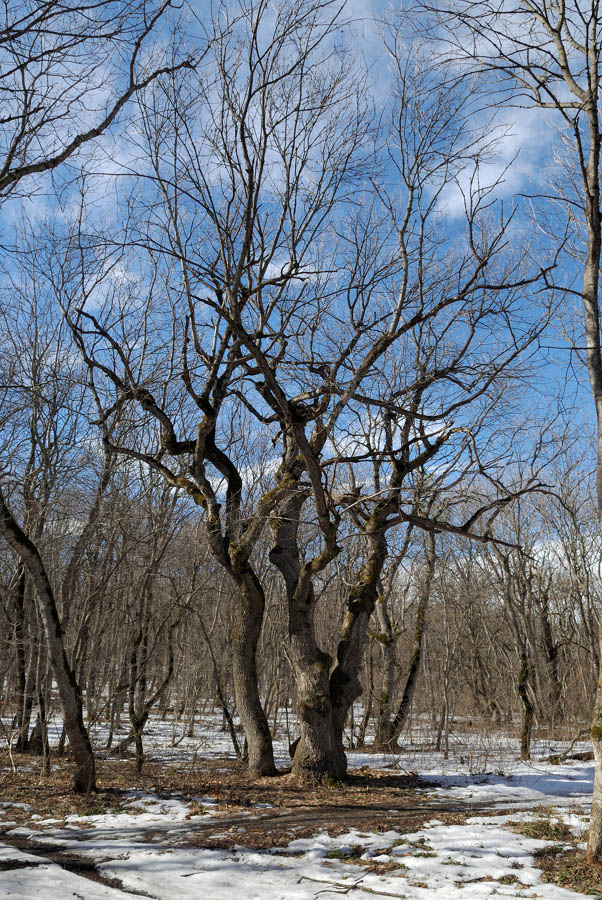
(35, 402)
(549, 57)
(296, 284)
(56, 98)
(235, 231)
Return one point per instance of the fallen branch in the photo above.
(557, 758)
(345, 888)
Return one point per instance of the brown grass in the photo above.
(568, 869)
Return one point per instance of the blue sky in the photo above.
(521, 162)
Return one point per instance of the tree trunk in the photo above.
(361, 735)
(319, 754)
(551, 654)
(84, 779)
(401, 716)
(22, 745)
(138, 726)
(594, 843)
(245, 638)
(18, 590)
(386, 641)
(527, 716)
(345, 685)
(594, 367)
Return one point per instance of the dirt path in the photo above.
(279, 828)
(264, 829)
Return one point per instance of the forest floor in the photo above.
(411, 825)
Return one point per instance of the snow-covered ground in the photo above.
(144, 846)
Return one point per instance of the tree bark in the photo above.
(345, 685)
(386, 641)
(84, 779)
(246, 630)
(594, 367)
(594, 843)
(551, 653)
(527, 715)
(319, 753)
(26, 670)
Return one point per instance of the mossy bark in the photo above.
(319, 754)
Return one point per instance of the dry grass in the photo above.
(568, 869)
(543, 829)
(565, 867)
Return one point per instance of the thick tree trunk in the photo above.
(319, 754)
(245, 638)
(68, 689)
